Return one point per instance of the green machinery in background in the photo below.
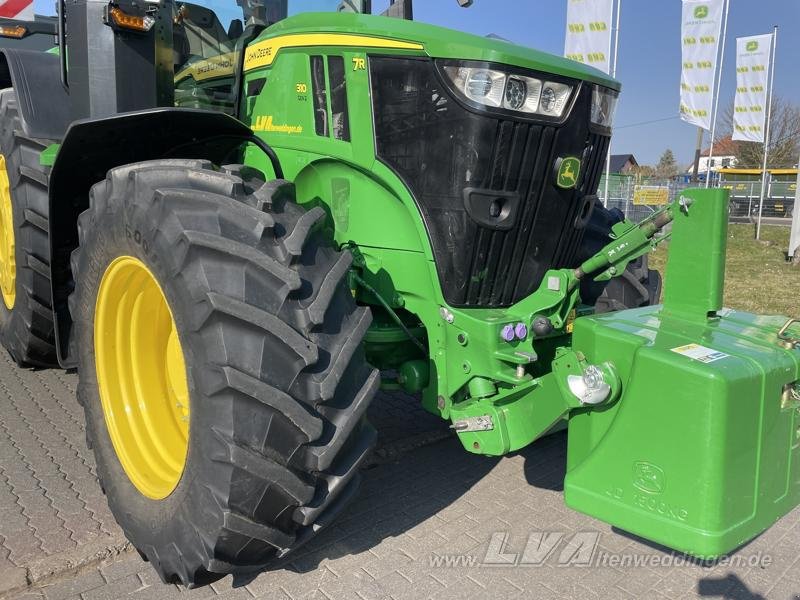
(441, 226)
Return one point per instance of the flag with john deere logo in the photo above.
(589, 32)
(702, 23)
(752, 75)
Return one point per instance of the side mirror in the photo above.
(235, 29)
(355, 6)
(465, 3)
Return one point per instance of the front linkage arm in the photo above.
(630, 242)
(520, 408)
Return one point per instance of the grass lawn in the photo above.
(757, 276)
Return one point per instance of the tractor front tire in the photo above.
(26, 315)
(220, 365)
(638, 286)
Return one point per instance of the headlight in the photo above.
(554, 98)
(518, 93)
(522, 94)
(485, 86)
(604, 104)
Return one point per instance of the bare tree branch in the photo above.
(784, 144)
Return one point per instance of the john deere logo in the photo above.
(648, 477)
(701, 12)
(568, 172)
(752, 46)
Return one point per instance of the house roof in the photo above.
(620, 160)
(723, 147)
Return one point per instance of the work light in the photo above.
(516, 93)
(13, 31)
(604, 104)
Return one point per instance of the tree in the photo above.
(784, 139)
(667, 167)
(643, 171)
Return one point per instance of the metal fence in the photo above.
(640, 198)
(745, 195)
(625, 194)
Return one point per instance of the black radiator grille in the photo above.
(440, 149)
(507, 266)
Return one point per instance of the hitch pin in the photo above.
(785, 339)
(791, 395)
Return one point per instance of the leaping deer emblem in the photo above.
(568, 173)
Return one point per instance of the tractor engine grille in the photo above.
(485, 185)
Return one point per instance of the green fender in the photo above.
(360, 207)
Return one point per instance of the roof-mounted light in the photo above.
(13, 31)
(124, 20)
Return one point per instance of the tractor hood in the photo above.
(440, 42)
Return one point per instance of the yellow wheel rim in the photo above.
(141, 375)
(8, 261)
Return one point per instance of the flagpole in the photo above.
(794, 236)
(715, 112)
(771, 89)
(613, 74)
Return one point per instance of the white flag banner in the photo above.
(589, 32)
(702, 22)
(752, 76)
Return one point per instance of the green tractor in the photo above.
(238, 234)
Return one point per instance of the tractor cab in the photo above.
(201, 44)
(206, 50)
(205, 31)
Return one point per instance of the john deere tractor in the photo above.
(342, 201)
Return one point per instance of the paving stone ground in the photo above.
(432, 521)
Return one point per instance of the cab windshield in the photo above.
(205, 39)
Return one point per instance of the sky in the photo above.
(647, 120)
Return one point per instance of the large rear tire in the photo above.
(26, 315)
(270, 337)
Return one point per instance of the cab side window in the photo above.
(329, 91)
(204, 58)
(319, 92)
(340, 119)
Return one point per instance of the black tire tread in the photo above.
(308, 316)
(27, 331)
(335, 482)
(344, 420)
